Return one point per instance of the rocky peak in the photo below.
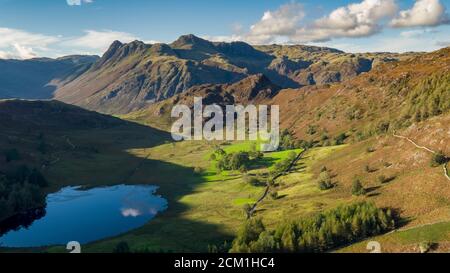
(191, 41)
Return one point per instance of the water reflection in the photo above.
(73, 214)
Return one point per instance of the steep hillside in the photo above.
(390, 97)
(39, 78)
(310, 65)
(131, 76)
(46, 145)
(255, 89)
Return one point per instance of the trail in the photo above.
(266, 192)
(135, 170)
(426, 149)
(415, 144)
(70, 143)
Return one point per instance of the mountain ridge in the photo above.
(131, 76)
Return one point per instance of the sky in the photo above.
(53, 28)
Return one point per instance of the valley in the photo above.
(352, 119)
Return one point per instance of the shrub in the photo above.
(247, 209)
(340, 139)
(251, 180)
(370, 150)
(323, 186)
(11, 155)
(368, 169)
(425, 247)
(312, 130)
(357, 188)
(324, 181)
(382, 179)
(274, 195)
(438, 159)
(198, 170)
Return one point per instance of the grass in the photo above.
(203, 209)
(207, 208)
(408, 240)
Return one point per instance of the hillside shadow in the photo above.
(169, 231)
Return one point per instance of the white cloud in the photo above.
(78, 2)
(281, 22)
(354, 20)
(423, 13)
(20, 44)
(99, 40)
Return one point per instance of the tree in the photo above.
(11, 155)
(266, 243)
(238, 160)
(22, 173)
(122, 247)
(42, 147)
(250, 232)
(289, 238)
(357, 188)
(325, 231)
(36, 178)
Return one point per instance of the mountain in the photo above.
(131, 76)
(391, 96)
(39, 78)
(254, 89)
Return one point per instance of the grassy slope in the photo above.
(407, 241)
(203, 209)
(207, 209)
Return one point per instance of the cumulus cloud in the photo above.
(281, 22)
(423, 13)
(78, 2)
(284, 24)
(354, 20)
(360, 19)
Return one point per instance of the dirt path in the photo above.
(426, 149)
(138, 167)
(266, 192)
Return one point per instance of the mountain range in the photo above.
(377, 120)
(129, 77)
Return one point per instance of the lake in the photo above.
(74, 214)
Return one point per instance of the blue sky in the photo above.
(52, 28)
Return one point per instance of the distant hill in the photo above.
(391, 96)
(131, 76)
(39, 78)
(254, 89)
